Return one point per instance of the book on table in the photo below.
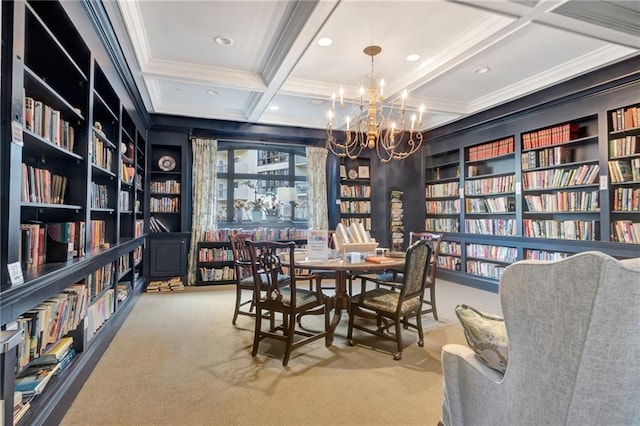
(379, 259)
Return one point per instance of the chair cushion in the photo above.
(303, 297)
(486, 334)
(383, 299)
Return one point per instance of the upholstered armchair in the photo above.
(573, 330)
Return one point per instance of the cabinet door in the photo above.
(168, 256)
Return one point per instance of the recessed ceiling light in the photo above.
(274, 107)
(413, 57)
(179, 89)
(316, 102)
(213, 92)
(223, 40)
(325, 41)
(481, 70)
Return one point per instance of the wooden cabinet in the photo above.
(168, 255)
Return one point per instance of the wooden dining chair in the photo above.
(392, 304)
(243, 274)
(434, 241)
(270, 262)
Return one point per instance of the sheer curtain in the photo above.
(317, 184)
(204, 197)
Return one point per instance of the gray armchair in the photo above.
(574, 349)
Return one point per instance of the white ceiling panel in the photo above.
(275, 58)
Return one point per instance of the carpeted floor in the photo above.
(177, 360)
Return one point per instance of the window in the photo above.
(250, 186)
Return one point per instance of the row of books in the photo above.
(355, 207)
(42, 186)
(170, 186)
(491, 149)
(550, 136)
(485, 269)
(355, 191)
(100, 280)
(564, 201)
(626, 231)
(48, 322)
(625, 118)
(46, 122)
(449, 189)
(626, 200)
(624, 170)
(156, 225)
(99, 312)
(623, 146)
(127, 173)
(442, 225)
(281, 234)
(98, 230)
(101, 153)
(547, 157)
(490, 205)
(443, 207)
(213, 254)
(51, 242)
(561, 178)
(504, 227)
(124, 264)
(450, 248)
(99, 196)
(164, 204)
(124, 203)
(491, 252)
(448, 262)
(494, 185)
(532, 254)
(585, 230)
(225, 273)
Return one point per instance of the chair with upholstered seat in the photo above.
(270, 261)
(396, 276)
(573, 348)
(394, 303)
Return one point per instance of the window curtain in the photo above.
(317, 185)
(204, 197)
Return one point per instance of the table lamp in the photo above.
(285, 197)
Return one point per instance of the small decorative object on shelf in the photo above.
(167, 163)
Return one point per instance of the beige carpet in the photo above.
(177, 360)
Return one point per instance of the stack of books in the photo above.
(34, 378)
(172, 284)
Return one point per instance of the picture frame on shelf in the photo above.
(363, 172)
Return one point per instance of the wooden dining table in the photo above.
(342, 268)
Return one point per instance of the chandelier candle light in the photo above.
(387, 134)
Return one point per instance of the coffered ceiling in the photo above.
(275, 72)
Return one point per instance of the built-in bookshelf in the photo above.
(489, 188)
(560, 181)
(624, 173)
(71, 238)
(355, 192)
(215, 263)
(215, 256)
(442, 192)
(165, 187)
(450, 254)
